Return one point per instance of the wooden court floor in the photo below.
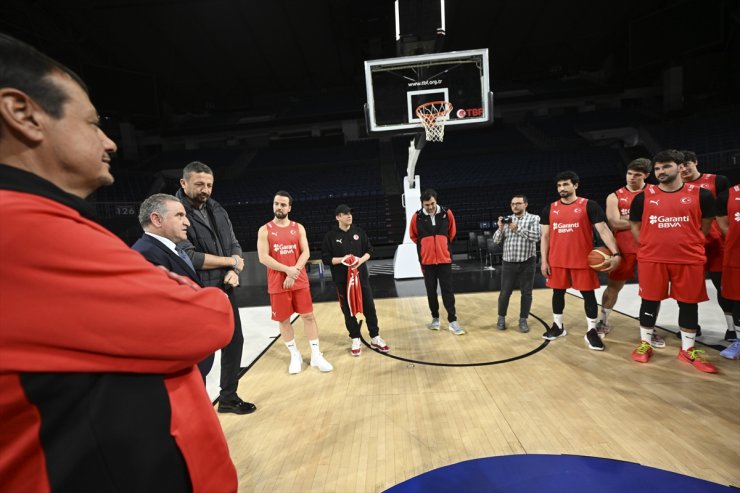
(376, 421)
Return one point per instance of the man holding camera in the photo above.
(519, 234)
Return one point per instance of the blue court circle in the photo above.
(554, 474)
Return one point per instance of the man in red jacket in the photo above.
(433, 228)
(99, 389)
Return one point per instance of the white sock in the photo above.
(314, 347)
(292, 347)
(558, 319)
(687, 340)
(730, 323)
(605, 314)
(591, 323)
(646, 334)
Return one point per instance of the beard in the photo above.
(281, 215)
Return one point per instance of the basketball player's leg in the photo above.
(586, 281)
(689, 289)
(653, 283)
(282, 308)
(302, 304)
(731, 291)
(559, 281)
(724, 304)
(617, 279)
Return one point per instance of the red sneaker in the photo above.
(694, 357)
(642, 353)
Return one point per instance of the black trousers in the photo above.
(231, 356)
(368, 306)
(442, 274)
(517, 273)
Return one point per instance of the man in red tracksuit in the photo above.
(99, 388)
(433, 228)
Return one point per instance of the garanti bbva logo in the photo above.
(668, 221)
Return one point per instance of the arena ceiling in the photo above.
(191, 56)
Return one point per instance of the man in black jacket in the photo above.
(346, 244)
(165, 224)
(216, 255)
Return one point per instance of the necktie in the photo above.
(184, 257)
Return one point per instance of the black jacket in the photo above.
(202, 239)
(338, 243)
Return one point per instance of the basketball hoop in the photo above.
(432, 116)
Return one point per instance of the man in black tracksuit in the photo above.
(346, 244)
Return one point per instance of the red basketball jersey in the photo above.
(625, 240)
(285, 247)
(571, 235)
(709, 181)
(732, 241)
(671, 226)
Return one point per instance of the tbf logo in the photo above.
(737, 217)
(472, 112)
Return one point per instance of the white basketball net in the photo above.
(433, 116)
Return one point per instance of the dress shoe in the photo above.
(236, 407)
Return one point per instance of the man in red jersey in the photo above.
(567, 237)
(99, 388)
(728, 219)
(282, 247)
(714, 246)
(670, 221)
(617, 213)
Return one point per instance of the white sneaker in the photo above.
(456, 329)
(296, 363)
(378, 343)
(356, 346)
(320, 362)
(657, 342)
(435, 324)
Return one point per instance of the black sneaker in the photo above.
(236, 407)
(593, 340)
(730, 336)
(554, 332)
(698, 332)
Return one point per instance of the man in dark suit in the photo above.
(165, 224)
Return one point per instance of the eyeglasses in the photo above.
(517, 203)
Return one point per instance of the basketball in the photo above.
(598, 258)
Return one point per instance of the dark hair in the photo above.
(26, 69)
(667, 156)
(283, 193)
(641, 164)
(155, 203)
(567, 175)
(689, 156)
(523, 197)
(196, 167)
(428, 194)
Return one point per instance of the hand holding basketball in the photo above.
(601, 259)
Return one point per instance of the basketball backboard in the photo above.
(397, 86)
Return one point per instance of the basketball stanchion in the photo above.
(433, 116)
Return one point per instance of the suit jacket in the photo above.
(157, 253)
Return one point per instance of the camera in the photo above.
(507, 219)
